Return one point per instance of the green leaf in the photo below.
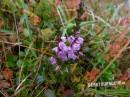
(11, 60)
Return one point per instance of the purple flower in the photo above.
(71, 55)
(63, 39)
(63, 46)
(71, 39)
(53, 60)
(78, 33)
(68, 48)
(62, 55)
(76, 47)
(55, 49)
(79, 40)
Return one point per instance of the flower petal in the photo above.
(71, 39)
(53, 60)
(62, 55)
(76, 47)
(63, 39)
(79, 40)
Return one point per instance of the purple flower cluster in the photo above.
(68, 48)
